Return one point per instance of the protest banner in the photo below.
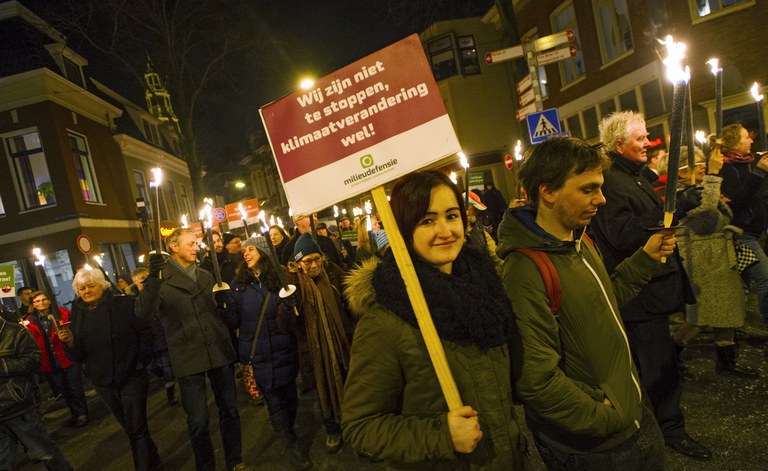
(366, 124)
(7, 281)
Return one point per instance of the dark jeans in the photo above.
(128, 404)
(68, 381)
(656, 359)
(194, 399)
(29, 429)
(282, 404)
(161, 367)
(642, 451)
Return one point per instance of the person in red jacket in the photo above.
(57, 369)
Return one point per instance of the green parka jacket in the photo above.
(565, 367)
(393, 406)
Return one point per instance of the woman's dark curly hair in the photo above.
(269, 275)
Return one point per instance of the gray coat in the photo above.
(198, 340)
(706, 246)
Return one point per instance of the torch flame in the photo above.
(518, 150)
(97, 259)
(243, 212)
(157, 177)
(184, 222)
(756, 89)
(206, 215)
(463, 159)
(701, 137)
(714, 65)
(676, 73)
(452, 176)
(368, 207)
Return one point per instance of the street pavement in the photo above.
(727, 414)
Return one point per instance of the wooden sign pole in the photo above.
(416, 296)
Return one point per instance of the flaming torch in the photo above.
(717, 71)
(207, 219)
(286, 290)
(756, 89)
(157, 180)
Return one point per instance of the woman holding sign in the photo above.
(393, 406)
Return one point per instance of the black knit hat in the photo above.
(305, 245)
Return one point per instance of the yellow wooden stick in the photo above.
(416, 295)
(668, 216)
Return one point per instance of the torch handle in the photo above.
(214, 258)
(156, 211)
(668, 217)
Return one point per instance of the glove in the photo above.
(223, 298)
(689, 198)
(156, 264)
(290, 301)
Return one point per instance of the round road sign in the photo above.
(84, 244)
(509, 161)
(219, 215)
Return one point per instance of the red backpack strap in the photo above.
(586, 237)
(548, 274)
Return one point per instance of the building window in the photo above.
(442, 57)
(184, 200)
(570, 69)
(30, 170)
(141, 190)
(173, 202)
(468, 54)
(2, 208)
(705, 8)
(86, 176)
(73, 72)
(151, 132)
(653, 100)
(541, 71)
(628, 101)
(613, 28)
(574, 126)
(590, 123)
(607, 108)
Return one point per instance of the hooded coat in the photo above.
(564, 367)
(393, 405)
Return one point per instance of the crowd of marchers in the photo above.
(561, 304)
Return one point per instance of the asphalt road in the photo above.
(729, 415)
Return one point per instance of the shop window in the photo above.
(653, 101)
(470, 65)
(573, 68)
(442, 56)
(607, 108)
(30, 170)
(628, 101)
(86, 176)
(613, 28)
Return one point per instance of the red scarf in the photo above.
(734, 158)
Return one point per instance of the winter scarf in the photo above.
(328, 342)
(468, 307)
(734, 158)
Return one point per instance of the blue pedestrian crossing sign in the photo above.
(543, 124)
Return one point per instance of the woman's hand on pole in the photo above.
(465, 429)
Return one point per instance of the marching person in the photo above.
(228, 262)
(393, 405)
(198, 344)
(24, 292)
(324, 330)
(622, 226)
(59, 371)
(20, 417)
(114, 347)
(274, 353)
(279, 238)
(573, 369)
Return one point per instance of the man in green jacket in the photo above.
(573, 368)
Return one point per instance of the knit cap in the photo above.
(260, 242)
(305, 245)
(381, 239)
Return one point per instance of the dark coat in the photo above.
(276, 360)
(19, 359)
(742, 186)
(197, 338)
(227, 265)
(110, 341)
(622, 226)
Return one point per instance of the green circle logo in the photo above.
(366, 160)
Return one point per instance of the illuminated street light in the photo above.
(239, 185)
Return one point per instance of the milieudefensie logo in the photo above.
(370, 169)
(366, 161)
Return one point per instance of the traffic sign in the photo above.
(543, 125)
(556, 39)
(84, 244)
(505, 54)
(527, 97)
(525, 110)
(556, 56)
(524, 84)
(219, 214)
(509, 161)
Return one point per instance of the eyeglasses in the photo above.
(312, 261)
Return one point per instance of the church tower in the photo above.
(159, 100)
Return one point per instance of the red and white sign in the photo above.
(509, 161)
(556, 56)
(494, 57)
(525, 111)
(556, 39)
(359, 127)
(235, 217)
(84, 244)
(524, 84)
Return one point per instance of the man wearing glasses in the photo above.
(324, 330)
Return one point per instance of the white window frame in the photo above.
(694, 10)
(572, 62)
(87, 168)
(20, 195)
(616, 40)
